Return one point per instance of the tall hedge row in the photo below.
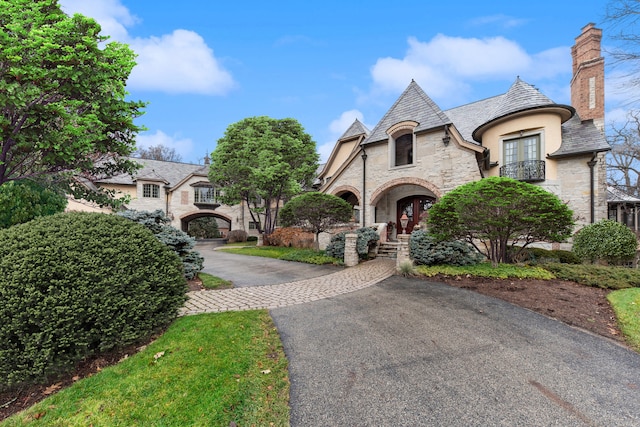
(76, 284)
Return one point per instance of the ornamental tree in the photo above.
(261, 161)
(315, 212)
(63, 116)
(498, 213)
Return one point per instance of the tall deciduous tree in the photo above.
(316, 212)
(624, 158)
(159, 152)
(62, 98)
(263, 161)
(499, 212)
(623, 19)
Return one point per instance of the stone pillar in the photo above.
(403, 249)
(350, 252)
(260, 241)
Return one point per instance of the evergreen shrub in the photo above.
(607, 241)
(77, 284)
(177, 240)
(367, 239)
(425, 250)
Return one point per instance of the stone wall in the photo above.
(437, 169)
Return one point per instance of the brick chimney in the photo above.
(587, 83)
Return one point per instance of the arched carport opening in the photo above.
(222, 221)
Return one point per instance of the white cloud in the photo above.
(340, 125)
(182, 146)
(448, 66)
(337, 128)
(180, 62)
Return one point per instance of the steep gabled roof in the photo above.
(356, 129)
(413, 104)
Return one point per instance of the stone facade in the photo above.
(418, 152)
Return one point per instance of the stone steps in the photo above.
(388, 250)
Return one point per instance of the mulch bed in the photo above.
(574, 304)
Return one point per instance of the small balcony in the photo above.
(529, 170)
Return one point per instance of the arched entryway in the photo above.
(223, 222)
(415, 207)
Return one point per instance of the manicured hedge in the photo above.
(77, 284)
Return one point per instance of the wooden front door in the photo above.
(415, 207)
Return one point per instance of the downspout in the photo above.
(364, 185)
(166, 199)
(592, 163)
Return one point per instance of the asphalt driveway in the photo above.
(255, 271)
(407, 352)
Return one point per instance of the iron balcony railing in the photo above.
(529, 170)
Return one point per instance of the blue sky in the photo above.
(204, 65)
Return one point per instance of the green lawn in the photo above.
(308, 256)
(626, 304)
(212, 282)
(206, 370)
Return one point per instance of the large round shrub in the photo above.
(425, 250)
(607, 241)
(77, 284)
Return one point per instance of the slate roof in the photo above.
(155, 170)
(413, 104)
(469, 117)
(580, 137)
(356, 128)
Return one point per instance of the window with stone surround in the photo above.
(151, 191)
(402, 144)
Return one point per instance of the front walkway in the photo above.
(273, 296)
